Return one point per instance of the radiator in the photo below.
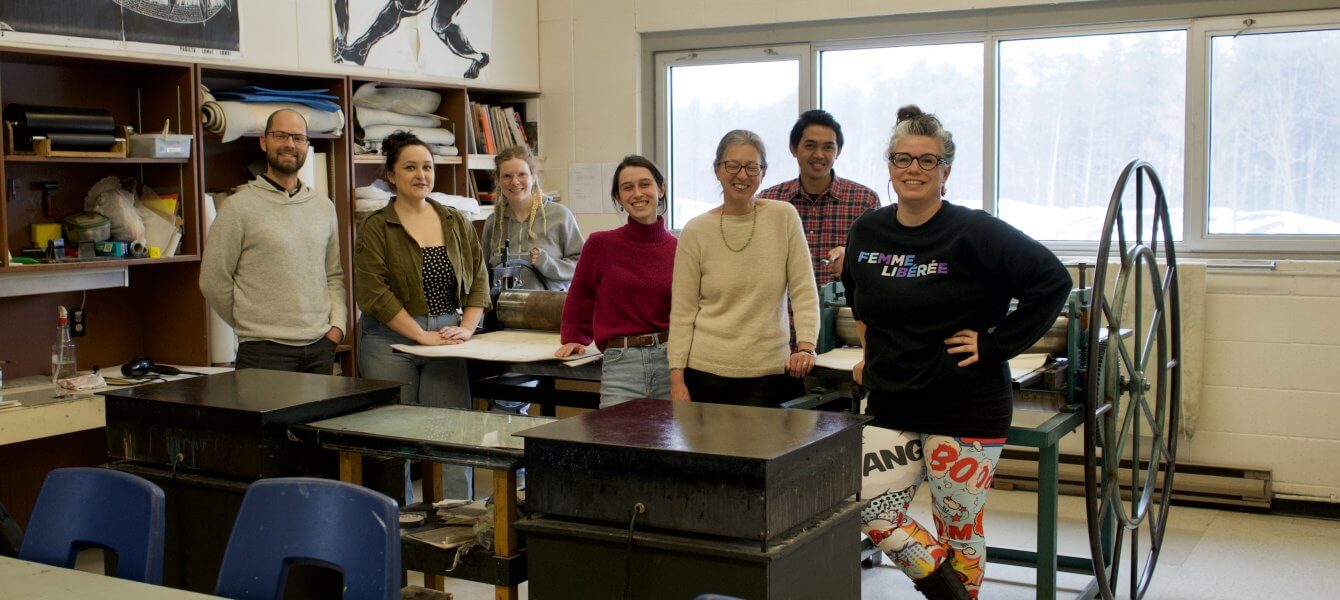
(1193, 483)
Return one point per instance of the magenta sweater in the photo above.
(622, 284)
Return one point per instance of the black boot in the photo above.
(942, 584)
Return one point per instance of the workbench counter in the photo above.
(45, 412)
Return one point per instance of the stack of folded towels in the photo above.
(381, 111)
(243, 111)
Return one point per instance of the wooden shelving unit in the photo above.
(161, 314)
(370, 167)
(479, 165)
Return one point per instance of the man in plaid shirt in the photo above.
(827, 204)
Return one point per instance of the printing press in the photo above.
(1048, 377)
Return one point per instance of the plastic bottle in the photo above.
(63, 362)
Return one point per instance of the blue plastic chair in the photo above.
(82, 508)
(305, 521)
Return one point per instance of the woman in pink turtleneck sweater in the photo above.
(620, 293)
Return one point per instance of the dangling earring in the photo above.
(888, 190)
(661, 206)
(942, 191)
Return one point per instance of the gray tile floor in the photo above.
(1207, 554)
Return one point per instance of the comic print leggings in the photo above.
(959, 470)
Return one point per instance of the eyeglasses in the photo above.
(733, 167)
(284, 136)
(927, 161)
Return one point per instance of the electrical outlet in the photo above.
(77, 325)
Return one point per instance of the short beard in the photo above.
(279, 167)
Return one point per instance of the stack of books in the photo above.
(496, 128)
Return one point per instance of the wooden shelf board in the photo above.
(313, 136)
(20, 158)
(97, 264)
(377, 159)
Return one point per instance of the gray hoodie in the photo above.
(271, 266)
(556, 235)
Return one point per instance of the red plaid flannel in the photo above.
(827, 217)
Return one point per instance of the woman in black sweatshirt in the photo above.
(930, 285)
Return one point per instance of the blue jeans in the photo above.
(638, 372)
(442, 383)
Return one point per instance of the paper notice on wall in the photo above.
(589, 188)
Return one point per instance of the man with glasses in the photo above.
(827, 204)
(271, 267)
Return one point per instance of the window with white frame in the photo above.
(708, 95)
(863, 88)
(1073, 111)
(1239, 115)
(1274, 156)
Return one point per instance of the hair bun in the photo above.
(911, 111)
(397, 140)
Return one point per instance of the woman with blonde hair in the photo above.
(540, 231)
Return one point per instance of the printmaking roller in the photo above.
(67, 127)
(540, 310)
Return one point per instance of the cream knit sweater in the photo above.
(728, 309)
(271, 266)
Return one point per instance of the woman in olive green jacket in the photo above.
(419, 280)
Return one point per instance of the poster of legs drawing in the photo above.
(185, 27)
(442, 37)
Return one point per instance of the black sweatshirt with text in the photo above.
(913, 287)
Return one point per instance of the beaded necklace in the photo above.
(752, 226)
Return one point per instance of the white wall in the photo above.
(295, 35)
(1271, 368)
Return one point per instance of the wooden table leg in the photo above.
(504, 515)
(432, 481)
(432, 492)
(351, 468)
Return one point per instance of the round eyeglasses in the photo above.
(927, 161)
(732, 167)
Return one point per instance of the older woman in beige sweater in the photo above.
(735, 269)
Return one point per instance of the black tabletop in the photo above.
(699, 428)
(275, 396)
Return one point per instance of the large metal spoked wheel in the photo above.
(1132, 386)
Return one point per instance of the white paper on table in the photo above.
(840, 359)
(845, 359)
(1026, 363)
(511, 345)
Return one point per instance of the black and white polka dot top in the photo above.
(439, 281)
